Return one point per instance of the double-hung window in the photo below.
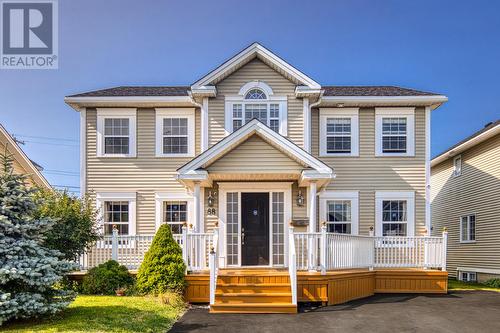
(175, 214)
(256, 104)
(340, 211)
(468, 228)
(118, 211)
(116, 132)
(175, 135)
(394, 132)
(339, 130)
(395, 213)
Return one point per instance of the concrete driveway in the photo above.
(466, 311)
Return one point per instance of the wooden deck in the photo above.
(335, 287)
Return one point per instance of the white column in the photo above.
(204, 124)
(307, 125)
(197, 205)
(312, 207)
(428, 220)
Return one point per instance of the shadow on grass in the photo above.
(96, 319)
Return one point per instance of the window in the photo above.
(175, 214)
(394, 135)
(394, 132)
(338, 216)
(457, 166)
(339, 132)
(175, 132)
(468, 276)
(256, 101)
(468, 228)
(340, 211)
(116, 132)
(232, 230)
(278, 221)
(117, 209)
(394, 213)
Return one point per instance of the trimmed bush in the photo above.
(493, 283)
(106, 278)
(163, 268)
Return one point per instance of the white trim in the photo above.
(353, 197)
(306, 114)
(249, 53)
(246, 187)
(83, 152)
(311, 206)
(131, 197)
(130, 100)
(457, 172)
(400, 112)
(381, 100)
(254, 127)
(428, 216)
(161, 197)
(162, 113)
(256, 85)
(107, 113)
(353, 115)
(478, 270)
(204, 124)
(410, 206)
(466, 145)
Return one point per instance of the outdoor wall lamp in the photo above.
(300, 199)
(211, 199)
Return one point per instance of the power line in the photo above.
(60, 174)
(63, 171)
(66, 186)
(51, 143)
(45, 138)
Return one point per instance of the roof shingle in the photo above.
(373, 91)
(136, 91)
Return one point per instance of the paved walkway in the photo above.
(456, 312)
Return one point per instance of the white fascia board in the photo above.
(255, 49)
(387, 99)
(466, 145)
(304, 91)
(125, 100)
(204, 91)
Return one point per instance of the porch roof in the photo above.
(312, 169)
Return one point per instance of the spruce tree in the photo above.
(29, 271)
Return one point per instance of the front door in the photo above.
(254, 229)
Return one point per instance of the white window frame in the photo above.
(400, 112)
(353, 115)
(163, 113)
(471, 276)
(231, 100)
(107, 113)
(131, 197)
(409, 197)
(353, 197)
(468, 240)
(180, 195)
(457, 171)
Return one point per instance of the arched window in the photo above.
(255, 94)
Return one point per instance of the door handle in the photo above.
(242, 236)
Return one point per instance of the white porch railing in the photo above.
(292, 264)
(213, 263)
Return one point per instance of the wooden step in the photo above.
(249, 298)
(254, 287)
(254, 308)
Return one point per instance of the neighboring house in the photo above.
(466, 200)
(252, 146)
(21, 163)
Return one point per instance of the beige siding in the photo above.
(144, 174)
(476, 191)
(255, 70)
(368, 173)
(255, 155)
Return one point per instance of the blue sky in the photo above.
(449, 47)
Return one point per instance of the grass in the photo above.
(91, 314)
(459, 285)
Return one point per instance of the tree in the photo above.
(28, 270)
(163, 267)
(75, 229)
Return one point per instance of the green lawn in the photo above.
(105, 314)
(459, 285)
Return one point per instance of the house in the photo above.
(21, 163)
(257, 165)
(466, 200)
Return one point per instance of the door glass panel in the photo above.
(278, 204)
(232, 228)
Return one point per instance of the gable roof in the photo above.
(249, 53)
(19, 155)
(373, 91)
(315, 167)
(137, 91)
(483, 134)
